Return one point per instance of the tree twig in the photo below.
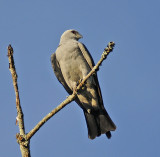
(106, 52)
(20, 137)
(24, 139)
(48, 116)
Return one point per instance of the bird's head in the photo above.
(70, 34)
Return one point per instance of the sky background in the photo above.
(129, 78)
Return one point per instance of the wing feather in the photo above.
(58, 73)
(90, 62)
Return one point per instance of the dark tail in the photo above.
(99, 124)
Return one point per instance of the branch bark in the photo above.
(106, 52)
(24, 139)
(24, 145)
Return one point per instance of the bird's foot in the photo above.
(78, 82)
(75, 90)
(83, 86)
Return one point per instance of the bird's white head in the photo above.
(70, 34)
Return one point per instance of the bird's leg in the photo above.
(78, 82)
(75, 90)
(84, 84)
(76, 85)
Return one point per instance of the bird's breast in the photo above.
(73, 64)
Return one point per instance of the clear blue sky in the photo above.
(129, 78)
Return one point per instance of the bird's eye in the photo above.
(74, 32)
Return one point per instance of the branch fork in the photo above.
(24, 139)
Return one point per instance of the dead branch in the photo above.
(21, 136)
(106, 52)
(24, 139)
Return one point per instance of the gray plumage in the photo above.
(71, 63)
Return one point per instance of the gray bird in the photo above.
(71, 63)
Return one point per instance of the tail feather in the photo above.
(108, 134)
(93, 130)
(99, 124)
(106, 124)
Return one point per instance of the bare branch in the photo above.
(105, 53)
(24, 139)
(24, 148)
(52, 113)
(14, 77)
(107, 50)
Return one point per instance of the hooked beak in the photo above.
(79, 36)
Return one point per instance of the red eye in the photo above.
(74, 32)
